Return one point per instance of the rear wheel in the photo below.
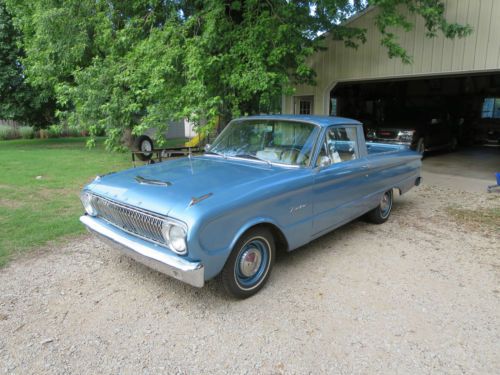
(382, 212)
(144, 145)
(249, 265)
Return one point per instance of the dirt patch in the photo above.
(46, 193)
(481, 219)
(418, 294)
(9, 203)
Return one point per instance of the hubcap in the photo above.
(145, 146)
(385, 204)
(250, 262)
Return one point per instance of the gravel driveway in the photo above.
(419, 294)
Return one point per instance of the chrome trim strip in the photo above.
(196, 200)
(390, 141)
(191, 273)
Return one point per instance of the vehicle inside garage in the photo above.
(444, 111)
(435, 115)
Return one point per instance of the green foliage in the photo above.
(55, 131)
(7, 132)
(10, 132)
(125, 66)
(18, 101)
(26, 132)
(432, 11)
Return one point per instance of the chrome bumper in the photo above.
(389, 141)
(147, 253)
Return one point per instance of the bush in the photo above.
(55, 131)
(7, 132)
(26, 132)
(73, 131)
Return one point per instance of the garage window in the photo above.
(304, 105)
(491, 108)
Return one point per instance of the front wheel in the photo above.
(249, 265)
(381, 213)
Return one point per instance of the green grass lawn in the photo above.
(35, 210)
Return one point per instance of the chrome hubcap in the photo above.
(385, 204)
(145, 146)
(250, 262)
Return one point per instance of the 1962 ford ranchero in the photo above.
(266, 182)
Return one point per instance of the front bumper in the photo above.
(147, 253)
(390, 141)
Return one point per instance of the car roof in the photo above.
(322, 121)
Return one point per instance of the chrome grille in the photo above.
(138, 222)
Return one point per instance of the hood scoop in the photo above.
(148, 181)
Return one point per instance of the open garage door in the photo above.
(432, 113)
(437, 111)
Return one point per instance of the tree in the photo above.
(129, 65)
(17, 100)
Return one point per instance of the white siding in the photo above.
(478, 52)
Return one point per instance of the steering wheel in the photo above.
(293, 148)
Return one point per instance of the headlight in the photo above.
(86, 199)
(175, 235)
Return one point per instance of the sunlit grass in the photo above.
(40, 181)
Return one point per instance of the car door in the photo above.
(340, 180)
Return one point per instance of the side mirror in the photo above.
(207, 147)
(324, 161)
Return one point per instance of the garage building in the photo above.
(453, 80)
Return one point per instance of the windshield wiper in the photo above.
(253, 157)
(214, 153)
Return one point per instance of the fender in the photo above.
(251, 223)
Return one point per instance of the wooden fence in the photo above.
(12, 123)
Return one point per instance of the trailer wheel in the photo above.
(144, 146)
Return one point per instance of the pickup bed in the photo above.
(267, 182)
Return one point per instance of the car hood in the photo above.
(187, 179)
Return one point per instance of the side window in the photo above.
(340, 145)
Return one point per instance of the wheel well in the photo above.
(279, 238)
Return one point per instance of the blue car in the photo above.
(266, 183)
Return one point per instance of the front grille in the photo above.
(132, 220)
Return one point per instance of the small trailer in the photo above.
(157, 155)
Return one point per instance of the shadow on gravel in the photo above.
(331, 244)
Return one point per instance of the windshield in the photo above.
(284, 142)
